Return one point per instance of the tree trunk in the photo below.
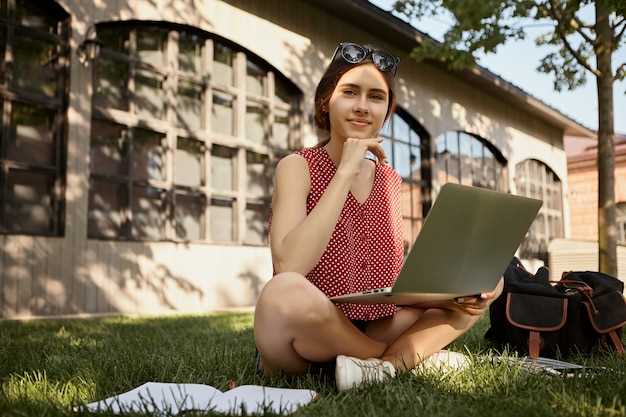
(607, 229)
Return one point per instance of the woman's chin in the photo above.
(359, 133)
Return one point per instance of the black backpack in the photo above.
(579, 314)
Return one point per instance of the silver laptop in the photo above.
(466, 243)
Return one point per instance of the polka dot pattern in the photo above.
(366, 247)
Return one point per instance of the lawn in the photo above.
(48, 366)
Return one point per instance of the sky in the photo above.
(516, 61)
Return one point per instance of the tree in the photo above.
(483, 25)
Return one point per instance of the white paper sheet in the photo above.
(156, 397)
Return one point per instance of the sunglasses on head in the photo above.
(354, 53)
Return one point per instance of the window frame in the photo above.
(422, 142)
(537, 245)
(237, 143)
(499, 161)
(10, 93)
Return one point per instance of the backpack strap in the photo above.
(617, 343)
(534, 344)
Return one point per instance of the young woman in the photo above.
(337, 228)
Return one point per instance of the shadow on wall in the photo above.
(242, 293)
(181, 11)
(42, 277)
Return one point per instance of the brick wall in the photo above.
(583, 191)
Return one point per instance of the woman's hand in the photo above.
(476, 306)
(354, 152)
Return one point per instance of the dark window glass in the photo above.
(109, 149)
(190, 105)
(489, 170)
(477, 161)
(222, 114)
(190, 218)
(29, 201)
(222, 217)
(149, 95)
(3, 45)
(190, 51)
(108, 202)
(255, 123)
(258, 181)
(452, 160)
(34, 58)
(255, 79)
(415, 158)
(111, 83)
(222, 64)
(115, 39)
(148, 155)
(151, 46)
(282, 92)
(36, 15)
(256, 224)
(223, 168)
(465, 154)
(189, 163)
(32, 134)
(149, 213)
(280, 131)
(536, 180)
(35, 65)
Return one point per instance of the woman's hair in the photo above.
(336, 69)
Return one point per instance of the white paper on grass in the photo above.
(173, 398)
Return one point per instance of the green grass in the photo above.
(46, 367)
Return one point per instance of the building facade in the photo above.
(139, 139)
(583, 178)
(580, 252)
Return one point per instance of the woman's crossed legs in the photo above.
(296, 324)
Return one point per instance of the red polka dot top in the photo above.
(366, 248)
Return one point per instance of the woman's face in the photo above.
(358, 105)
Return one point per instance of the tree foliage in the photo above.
(480, 26)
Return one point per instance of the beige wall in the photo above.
(73, 275)
(47, 277)
(580, 255)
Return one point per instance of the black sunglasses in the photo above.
(354, 53)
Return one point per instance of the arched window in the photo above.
(535, 179)
(621, 223)
(186, 129)
(467, 159)
(34, 57)
(405, 142)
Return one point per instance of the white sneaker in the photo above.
(351, 372)
(445, 360)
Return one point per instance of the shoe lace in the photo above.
(372, 371)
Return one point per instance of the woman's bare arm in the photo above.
(297, 240)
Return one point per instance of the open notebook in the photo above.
(156, 397)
